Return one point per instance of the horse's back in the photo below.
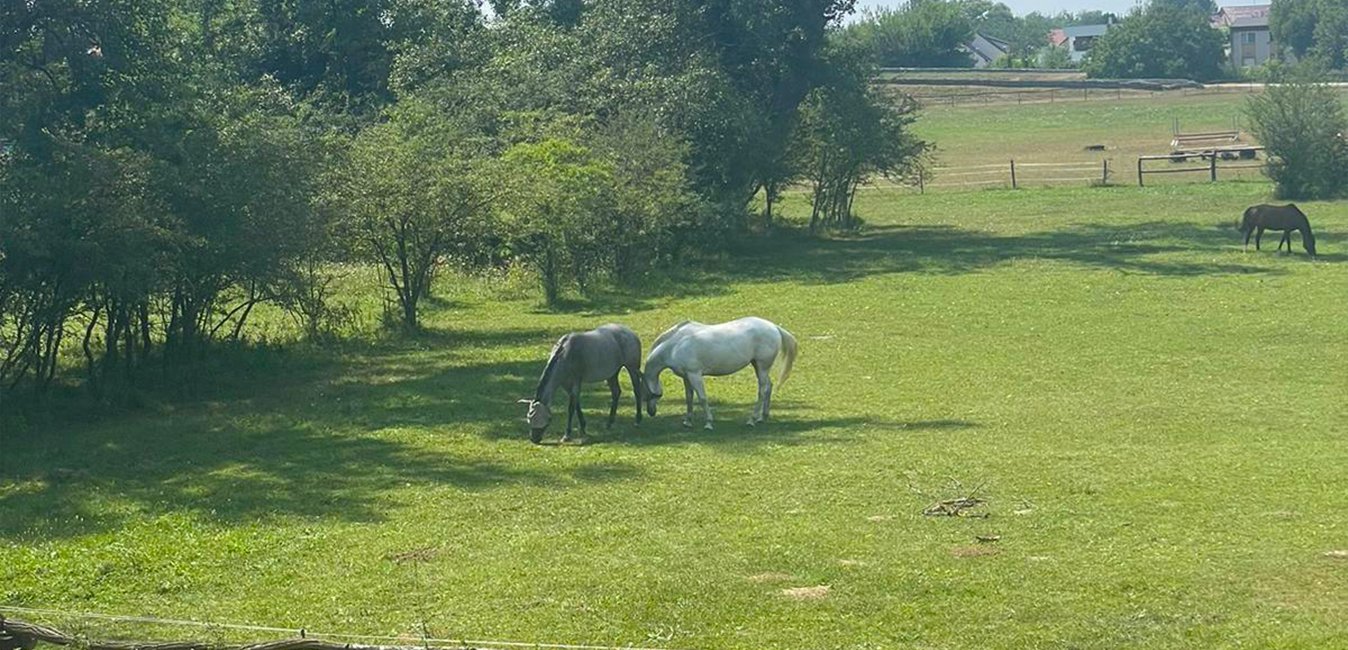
(1274, 217)
(725, 348)
(627, 341)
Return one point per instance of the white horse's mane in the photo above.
(667, 334)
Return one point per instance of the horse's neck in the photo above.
(552, 377)
(658, 359)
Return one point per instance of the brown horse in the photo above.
(1286, 218)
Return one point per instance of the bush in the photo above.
(1302, 126)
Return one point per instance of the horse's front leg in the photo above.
(688, 402)
(616, 392)
(700, 387)
(638, 388)
(580, 414)
(1258, 235)
(1248, 233)
(571, 407)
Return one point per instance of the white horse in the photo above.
(693, 350)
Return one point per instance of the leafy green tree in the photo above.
(1331, 35)
(1203, 7)
(83, 107)
(656, 212)
(1159, 42)
(849, 132)
(413, 195)
(558, 211)
(1302, 126)
(924, 33)
(1056, 58)
(1314, 29)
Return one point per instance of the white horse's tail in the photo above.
(788, 353)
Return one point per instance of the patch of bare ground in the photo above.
(807, 593)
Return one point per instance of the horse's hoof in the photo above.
(751, 422)
(708, 427)
(687, 424)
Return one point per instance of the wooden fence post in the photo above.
(1104, 172)
(1139, 171)
(1212, 166)
(1013, 173)
(921, 183)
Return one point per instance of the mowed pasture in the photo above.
(1156, 419)
(973, 135)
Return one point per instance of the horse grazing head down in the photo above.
(539, 416)
(654, 391)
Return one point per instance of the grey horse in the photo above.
(585, 357)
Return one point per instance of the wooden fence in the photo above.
(1015, 175)
(1216, 159)
(936, 96)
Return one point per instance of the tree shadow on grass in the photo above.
(1142, 248)
(333, 446)
(1152, 248)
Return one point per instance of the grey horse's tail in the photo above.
(788, 353)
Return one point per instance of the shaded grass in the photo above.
(1163, 410)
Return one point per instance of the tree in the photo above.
(1314, 29)
(924, 33)
(1203, 7)
(850, 131)
(1055, 58)
(558, 211)
(1302, 127)
(1159, 42)
(412, 196)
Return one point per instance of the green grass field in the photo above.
(968, 135)
(1156, 418)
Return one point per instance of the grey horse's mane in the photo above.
(553, 361)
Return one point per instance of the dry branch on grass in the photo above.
(959, 506)
(955, 508)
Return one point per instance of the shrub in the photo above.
(1302, 126)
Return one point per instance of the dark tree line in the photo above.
(168, 166)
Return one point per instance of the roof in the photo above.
(987, 48)
(1242, 16)
(1077, 31)
(1250, 22)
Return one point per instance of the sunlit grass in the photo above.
(1155, 417)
